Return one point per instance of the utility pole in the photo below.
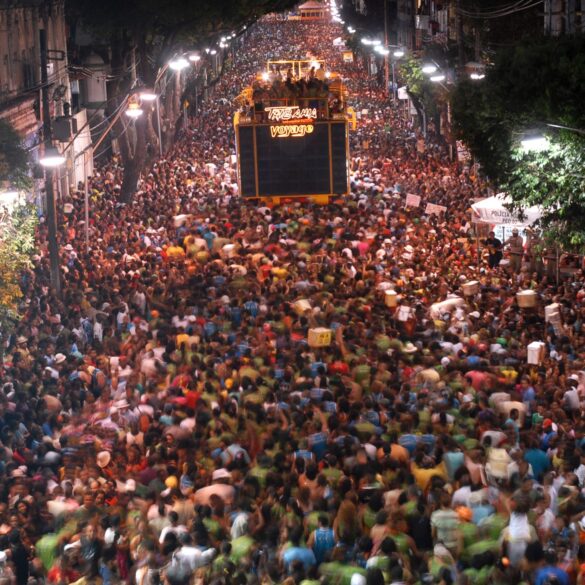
(49, 187)
(386, 56)
(460, 39)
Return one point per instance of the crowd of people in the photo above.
(310, 87)
(166, 420)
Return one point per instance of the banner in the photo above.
(493, 210)
(433, 209)
(412, 200)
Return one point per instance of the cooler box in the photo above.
(302, 306)
(535, 352)
(526, 299)
(552, 312)
(319, 337)
(404, 313)
(470, 288)
(391, 298)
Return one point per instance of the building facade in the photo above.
(20, 71)
(20, 84)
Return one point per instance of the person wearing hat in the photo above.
(220, 486)
(515, 245)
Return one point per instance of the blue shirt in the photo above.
(324, 542)
(539, 461)
(318, 444)
(299, 553)
(544, 574)
(409, 442)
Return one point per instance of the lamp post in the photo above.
(151, 96)
(389, 64)
(51, 160)
(397, 54)
(196, 58)
(178, 64)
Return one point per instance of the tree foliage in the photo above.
(17, 244)
(537, 83)
(153, 31)
(14, 160)
(425, 95)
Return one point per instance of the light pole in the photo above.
(151, 96)
(196, 58)
(397, 53)
(51, 160)
(178, 64)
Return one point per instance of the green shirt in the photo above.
(47, 549)
(241, 547)
(338, 573)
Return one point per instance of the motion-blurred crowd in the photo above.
(167, 421)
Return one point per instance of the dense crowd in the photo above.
(166, 420)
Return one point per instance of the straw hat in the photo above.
(103, 458)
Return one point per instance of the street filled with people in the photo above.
(228, 392)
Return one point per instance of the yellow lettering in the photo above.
(295, 130)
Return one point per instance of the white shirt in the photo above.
(179, 529)
(461, 497)
(572, 399)
(191, 558)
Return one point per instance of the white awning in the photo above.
(493, 210)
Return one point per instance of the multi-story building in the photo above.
(564, 17)
(20, 72)
(440, 21)
(20, 78)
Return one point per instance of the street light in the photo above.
(399, 53)
(52, 158)
(194, 57)
(134, 110)
(476, 76)
(178, 64)
(437, 78)
(535, 143)
(148, 96)
(429, 68)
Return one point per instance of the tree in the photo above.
(537, 83)
(143, 36)
(14, 163)
(17, 244)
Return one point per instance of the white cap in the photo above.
(221, 474)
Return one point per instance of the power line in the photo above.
(519, 7)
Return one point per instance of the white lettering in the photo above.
(284, 113)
